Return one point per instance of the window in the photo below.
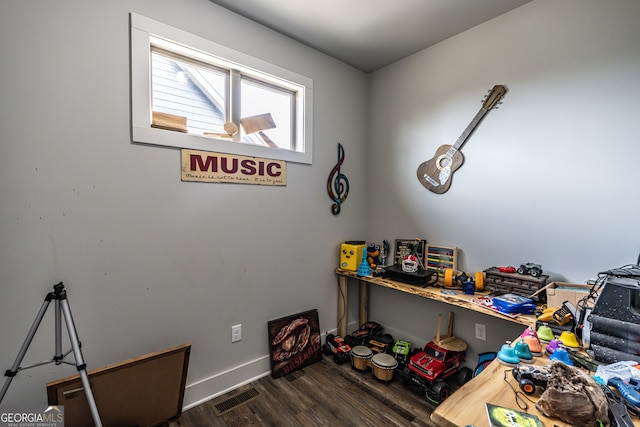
(189, 92)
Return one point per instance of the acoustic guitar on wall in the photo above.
(435, 174)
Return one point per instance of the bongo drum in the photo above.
(383, 365)
(360, 356)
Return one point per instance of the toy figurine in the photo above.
(384, 253)
(373, 255)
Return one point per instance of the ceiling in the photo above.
(370, 34)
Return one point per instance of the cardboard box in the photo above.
(559, 292)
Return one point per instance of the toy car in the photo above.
(362, 335)
(530, 268)
(401, 350)
(335, 345)
(531, 378)
(430, 367)
(507, 269)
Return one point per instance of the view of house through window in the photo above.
(201, 92)
(182, 89)
(200, 95)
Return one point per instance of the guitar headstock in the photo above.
(494, 96)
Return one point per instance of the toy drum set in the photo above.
(361, 357)
(382, 365)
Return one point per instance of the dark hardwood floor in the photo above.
(322, 394)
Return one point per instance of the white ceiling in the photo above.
(369, 34)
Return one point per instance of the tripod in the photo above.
(61, 305)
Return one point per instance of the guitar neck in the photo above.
(468, 131)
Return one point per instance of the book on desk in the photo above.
(499, 416)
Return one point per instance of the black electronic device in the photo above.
(421, 277)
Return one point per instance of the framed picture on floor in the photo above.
(294, 342)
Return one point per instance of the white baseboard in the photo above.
(223, 382)
(226, 381)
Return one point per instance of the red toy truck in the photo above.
(429, 368)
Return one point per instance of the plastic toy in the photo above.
(335, 345)
(440, 359)
(532, 378)
(618, 412)
(569, 339)
(531, 269)
(484, 359)
(552, 346)
(364, 269)
(507, 355)
(351, 254)
(545, 334)
(373, 256)
(534, 344)
(561, 316)
(507, 269)
(457, 279)
(380, 343)
(362, 335)
(401, 349)
(561, 354)
(630, 391)
(411, 263)
(524, 353)
(429, 368)
(530, 336)
(384, 253)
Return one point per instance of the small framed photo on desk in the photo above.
(404, 247)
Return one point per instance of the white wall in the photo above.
(150, 262)
(550, 177)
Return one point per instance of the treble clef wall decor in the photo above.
(338, 184)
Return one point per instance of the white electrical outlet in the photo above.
(481, 332)
(236, 333)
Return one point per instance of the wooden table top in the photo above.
(466, 406)
(437, 294)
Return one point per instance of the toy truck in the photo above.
(429, 368)
(401, 350)
(335, 345)
(362, 335)
(530, 268)
(531, 379)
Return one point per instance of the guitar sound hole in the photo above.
(444, 162)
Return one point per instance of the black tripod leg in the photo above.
(82, 368)
(25, 346)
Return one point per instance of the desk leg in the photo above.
(342, 305)
(364, 302)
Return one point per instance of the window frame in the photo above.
(143, 29)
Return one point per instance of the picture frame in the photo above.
(403, 247)
(294, 342)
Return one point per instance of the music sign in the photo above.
(206, 166)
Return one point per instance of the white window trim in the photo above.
(141, 30)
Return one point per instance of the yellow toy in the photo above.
(351, 255)
(454, 278)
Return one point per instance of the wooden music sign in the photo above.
(435, 174)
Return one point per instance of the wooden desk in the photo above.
(459, 300)
(467, 405)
